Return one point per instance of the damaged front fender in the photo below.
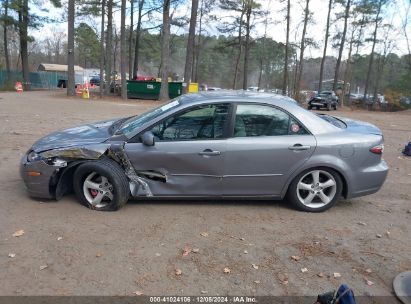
(116, 152)
(73, 153)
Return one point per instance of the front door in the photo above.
(188, 156)
(266, 147)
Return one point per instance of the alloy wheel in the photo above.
(316, 189)
(98, 190)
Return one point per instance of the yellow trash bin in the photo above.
(193, 87)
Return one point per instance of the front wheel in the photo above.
(315, 190)
(101, 185)
(328, 107)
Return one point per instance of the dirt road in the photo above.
(139, 247)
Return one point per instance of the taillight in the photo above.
(377, 149)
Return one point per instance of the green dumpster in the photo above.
(151, 89)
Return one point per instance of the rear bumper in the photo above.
(38, 186)
(370, 180)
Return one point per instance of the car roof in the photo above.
(236, 96)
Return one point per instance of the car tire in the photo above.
(302, 190)
(101, 185)
(328, 107)
(335, 107)
(310, 107)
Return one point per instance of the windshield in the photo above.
(137, 121)
(333, 120)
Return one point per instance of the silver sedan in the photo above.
(237, 145)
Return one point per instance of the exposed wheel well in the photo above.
(65, 182)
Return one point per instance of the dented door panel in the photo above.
(180, 168)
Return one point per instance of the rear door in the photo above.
(266, 146)
(188, 156)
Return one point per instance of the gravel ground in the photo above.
(140, 247)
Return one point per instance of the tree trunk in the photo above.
(247, 43)
(197, 48)
(380, 69)
(165, 51)
(109, 45)
(327, 33)
(347, 71)
(138, 34)
(337, 67)
(130, 41)
(123, 65)
(23, 16)
(71, 90)
(240, 45)
(6, 40)
(102, 54)
(302, 49)
(287, 44)
(188, 68)
(374, 41)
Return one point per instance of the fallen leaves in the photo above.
(368, 270)
(98, 254)
(304, 270)
(18, 233)
(283, 277)
(138, 293)
(295, 257)
(337, 275)
(59, 238)
(368, 282)
(255, 266)
(195, 250)
(42, 267)
(227, 270)
(320, 275)
(257, 282)
(186, 251)
(204, 234)
(12, 255)
(178, 272)
(378, 236)
(245, 252)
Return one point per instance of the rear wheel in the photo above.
(101, 185)
(328, 107)
(310, 107)
(315, 190)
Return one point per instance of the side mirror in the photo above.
(148, 138)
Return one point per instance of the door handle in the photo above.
(299, 147)
(209, 152)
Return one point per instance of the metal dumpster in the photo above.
(151, 89)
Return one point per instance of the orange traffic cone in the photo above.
(79, 89)
(19, 87)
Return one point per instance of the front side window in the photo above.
(199, 123)
(260, 120)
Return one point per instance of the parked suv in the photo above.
(325, 99)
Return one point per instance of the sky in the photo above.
(276, 29)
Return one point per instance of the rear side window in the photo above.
(261, 120)
(334, 121)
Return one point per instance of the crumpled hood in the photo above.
(94, 133)
(358, 126)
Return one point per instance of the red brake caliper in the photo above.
(93, 192)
